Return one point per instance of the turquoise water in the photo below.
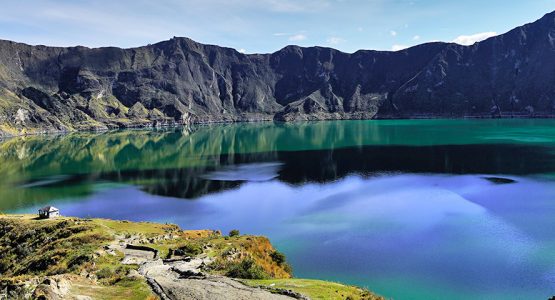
(411, 209)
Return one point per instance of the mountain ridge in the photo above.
(180, 81)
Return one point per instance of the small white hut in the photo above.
(49, 212)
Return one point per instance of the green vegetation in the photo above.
(227, 253)
(147, 229)
(315, 289)
(280, 260)
(188, 250)
(278, 257)
(132, 289)
(31, 248)
(110, 270)
(234, 233)
(72, 247)
(246, 269)
(39, 247)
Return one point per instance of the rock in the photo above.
(191, 267)
(133, 274)
(499, 180)
(184, 279)
(213, 288)
(181, 82)
(136, 256)
(52, 288)
(21, 117)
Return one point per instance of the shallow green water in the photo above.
(412, 209)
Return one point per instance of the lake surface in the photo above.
(411, 209)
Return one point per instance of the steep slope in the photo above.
(511, 74)
(181, 81)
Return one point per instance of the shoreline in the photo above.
(172, 125)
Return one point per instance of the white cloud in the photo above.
(398, 47)
(416, 38)
(334, 40)
(297, 37)
(393, 33)
(242, 51)
(474, 38)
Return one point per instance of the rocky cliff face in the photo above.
(181, 81)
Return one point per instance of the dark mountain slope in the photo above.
(511, 74)
(181, 81)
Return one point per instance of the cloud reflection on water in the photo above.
(460, 231)
(246, 172)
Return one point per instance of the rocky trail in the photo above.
(176, 279)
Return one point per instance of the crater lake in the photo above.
(410, 209)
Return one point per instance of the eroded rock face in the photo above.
(185, 280)
(52, 288)
(181, 81)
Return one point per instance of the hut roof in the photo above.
(49, 209)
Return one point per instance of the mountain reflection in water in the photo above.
(412, 209)
(188, 164)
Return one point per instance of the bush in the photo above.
(4, 265)
(234, 233)
(189, 250)
(112, 276)
(278, 257)
(77, 261)
(41, 263)
(23, 250)
(105, 273)
(247, 269)
(287, 268)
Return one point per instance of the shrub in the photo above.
(234, 233)
(247, 269)
(23, 250)
(4, 265)
(112, 276)
(189, 250)
(278, 257)
(77, 261)
(105, 273)
(287, 268)
(41, 263)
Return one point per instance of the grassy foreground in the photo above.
(315, 289)
(39, 256)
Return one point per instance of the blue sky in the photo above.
(261, 26)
